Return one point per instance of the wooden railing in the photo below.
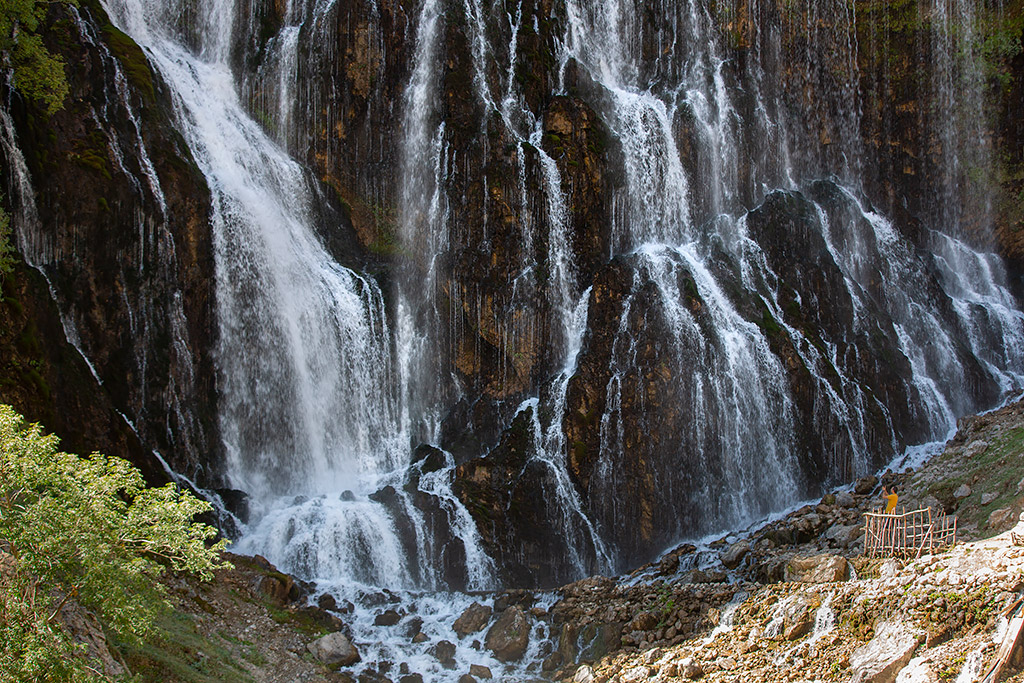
(907, 534)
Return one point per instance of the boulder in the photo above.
(987, 498)
(975, 448)
(509, 635)
(865, 485)
(793, 617)
(1001, 519)
(472, 620)
(889, 569)
(444, 652)
(710, 576)
(817, 569)
(963, 491)
(690, 669)
(387, 618)
(645, 621)
(845, 499)
(466, 678)
(844, 535)
(583, 675)
(279, 589)
(732, 556)
(334, 650)
(919, 670)
(480, 671)
(882, 659)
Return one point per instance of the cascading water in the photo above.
(700, 138)
(309, 413)
(747, 329)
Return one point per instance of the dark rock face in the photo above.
(510, 494)
(48, 381)
(123, 238)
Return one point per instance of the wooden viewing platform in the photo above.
(907, 534)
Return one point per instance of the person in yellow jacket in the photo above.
(890, 498)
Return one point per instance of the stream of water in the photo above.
(326, 381)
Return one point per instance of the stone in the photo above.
(975, 448)
(420, 637)
(277, 588)
(918, 670)
(885, 655)
(509, 635)
(444, 652)
(1001, 519)
(411, 678)
(387, 618)
(726, 663)
(844, 535)
(889, 569)
(645, 621)
(793, 617)
(472, 620)
(480, 671)
(732, 556)
(845, 499)
(413, 626)
(334, 650)
(987, 498)
(865, 485)
(962, 492)
(327, 601)
(817, 569)
(705, 576)
(584, 674)
(466, 678)
(690, 669)
(552, 662)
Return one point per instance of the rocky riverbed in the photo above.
(791, 600)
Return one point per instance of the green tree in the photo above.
(88, 530)
(33, 70)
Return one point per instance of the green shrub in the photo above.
(87, 530)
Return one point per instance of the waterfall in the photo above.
(309, 413)
(746, 328)
(644, 270)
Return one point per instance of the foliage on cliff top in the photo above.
(87, 531)
(32, 70)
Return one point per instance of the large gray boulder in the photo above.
(334, 650)
(882, 659)
(510, 635)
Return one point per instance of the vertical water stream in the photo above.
(324, 388)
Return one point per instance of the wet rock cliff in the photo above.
(615, 296)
